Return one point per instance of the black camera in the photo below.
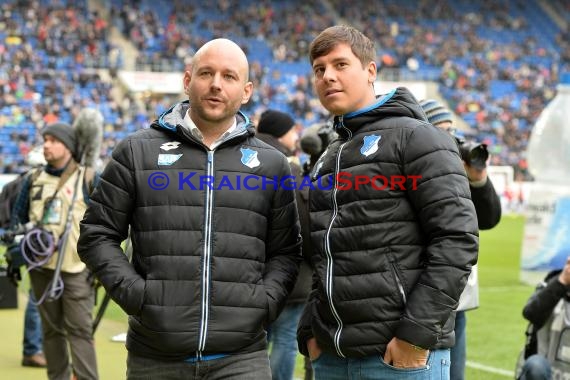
(314, 142)
(9, 235)
(327, 134)
(474, 154)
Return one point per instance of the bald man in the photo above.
(215, 249)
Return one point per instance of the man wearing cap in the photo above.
(49, 195)
(278, 129)
(488, 208)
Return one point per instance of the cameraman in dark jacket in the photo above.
(393, 227)
(216, 243)
(488, 208)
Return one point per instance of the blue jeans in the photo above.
(332, 367)
(283, 336)
(32, 328)
(250, 366)
(459, 351)
(536, 367)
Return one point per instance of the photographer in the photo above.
(50, 204)
(488, 209)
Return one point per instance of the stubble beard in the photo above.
(217, 115)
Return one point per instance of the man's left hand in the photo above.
(401, 354)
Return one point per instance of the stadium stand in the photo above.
(496, 62)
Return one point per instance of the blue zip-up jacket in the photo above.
(391, 257)
(212, 264)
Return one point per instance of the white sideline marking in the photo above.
(487, 368)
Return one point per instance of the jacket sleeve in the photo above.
(446, 216)
(487, 205)
(283, 247)
(105, 225)
(541, 304)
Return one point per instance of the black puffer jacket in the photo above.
(212, 266)
(389, 262)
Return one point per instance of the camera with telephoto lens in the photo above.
(315, 142)
(9, 235)
(474, 154)
(327, 134)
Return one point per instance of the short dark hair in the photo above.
(329, 38)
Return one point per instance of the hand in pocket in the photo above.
(314, 349)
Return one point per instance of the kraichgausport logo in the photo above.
(342, 181)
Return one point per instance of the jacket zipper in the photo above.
(208, 251)
(398, 281)
(329, 274)
(207, 258)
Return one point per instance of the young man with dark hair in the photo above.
(390, 264)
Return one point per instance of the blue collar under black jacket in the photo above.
(393, 229)
(214, 257)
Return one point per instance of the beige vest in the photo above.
(43, 188)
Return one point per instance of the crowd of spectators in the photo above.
(274, 37)
(166, 38)
(494, 69)
(48, 55)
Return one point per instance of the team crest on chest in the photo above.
(370, 145)
(249, 158)
(168, 159)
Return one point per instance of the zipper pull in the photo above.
(341, 125)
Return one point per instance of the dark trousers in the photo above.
(250, 366)
(67, 320)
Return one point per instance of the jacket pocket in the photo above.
(266, 306)
(398, 279)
